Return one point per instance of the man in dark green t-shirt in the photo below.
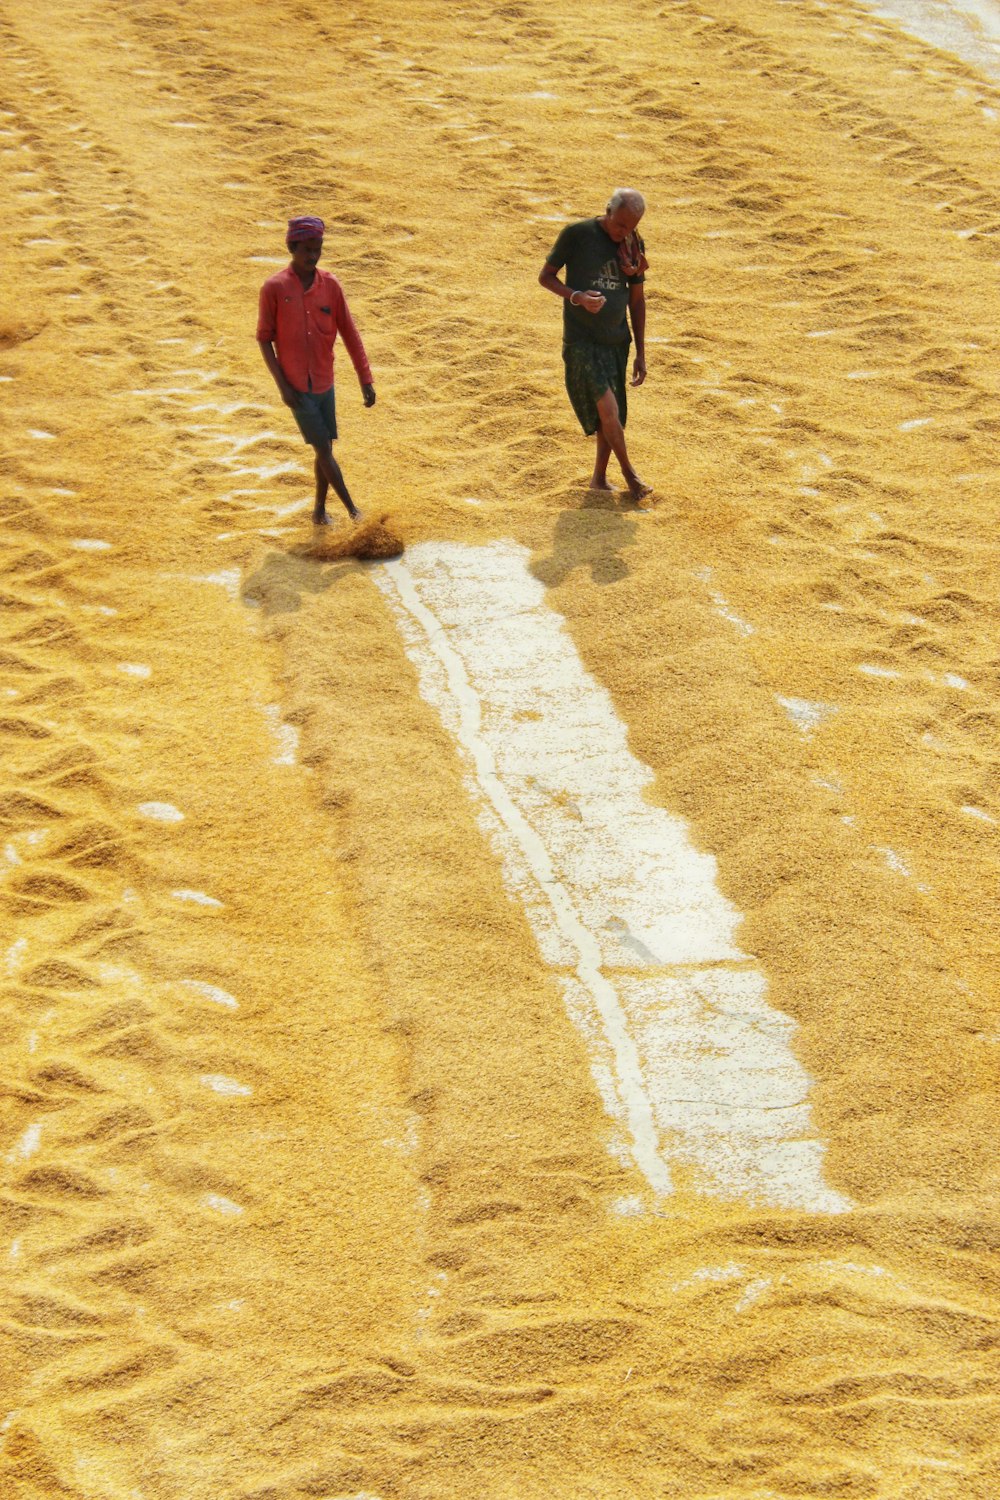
(605, 271)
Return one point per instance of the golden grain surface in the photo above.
(306, 1182)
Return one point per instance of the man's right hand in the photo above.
(289, 395)
(591, 302)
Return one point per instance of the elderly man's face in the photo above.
(305, 254)
(621, 223)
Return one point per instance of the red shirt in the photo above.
(303, 326)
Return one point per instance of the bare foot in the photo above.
(639, 489)
(321, 519)
(356, 515)
(602, 484)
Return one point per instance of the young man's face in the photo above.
(621, 223)
(305, 254)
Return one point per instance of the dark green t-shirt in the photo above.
(591, 260)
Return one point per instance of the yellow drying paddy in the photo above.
(307, 1181)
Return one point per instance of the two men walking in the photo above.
(302, 309)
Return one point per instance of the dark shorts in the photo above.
(592, 369)
(316, 415)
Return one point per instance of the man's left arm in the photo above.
(637, 314)
(347, 329)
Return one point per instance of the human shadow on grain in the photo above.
(284, 579)
(312, 566)
(592, 536)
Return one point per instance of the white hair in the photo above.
(629, 198)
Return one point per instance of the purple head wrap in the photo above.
(306, 227)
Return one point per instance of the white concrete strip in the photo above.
(198, 897)
(220, 1084)
(806, 715)
(688, 1057)
(285, 737)
(221, 1205)
(161, 812)
(969, 29)
(28, 1144)
(210, 992)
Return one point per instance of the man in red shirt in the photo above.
(302, 309)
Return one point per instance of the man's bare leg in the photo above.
(614, 435)
(320, 516)
(599, 478)
(328, 470)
